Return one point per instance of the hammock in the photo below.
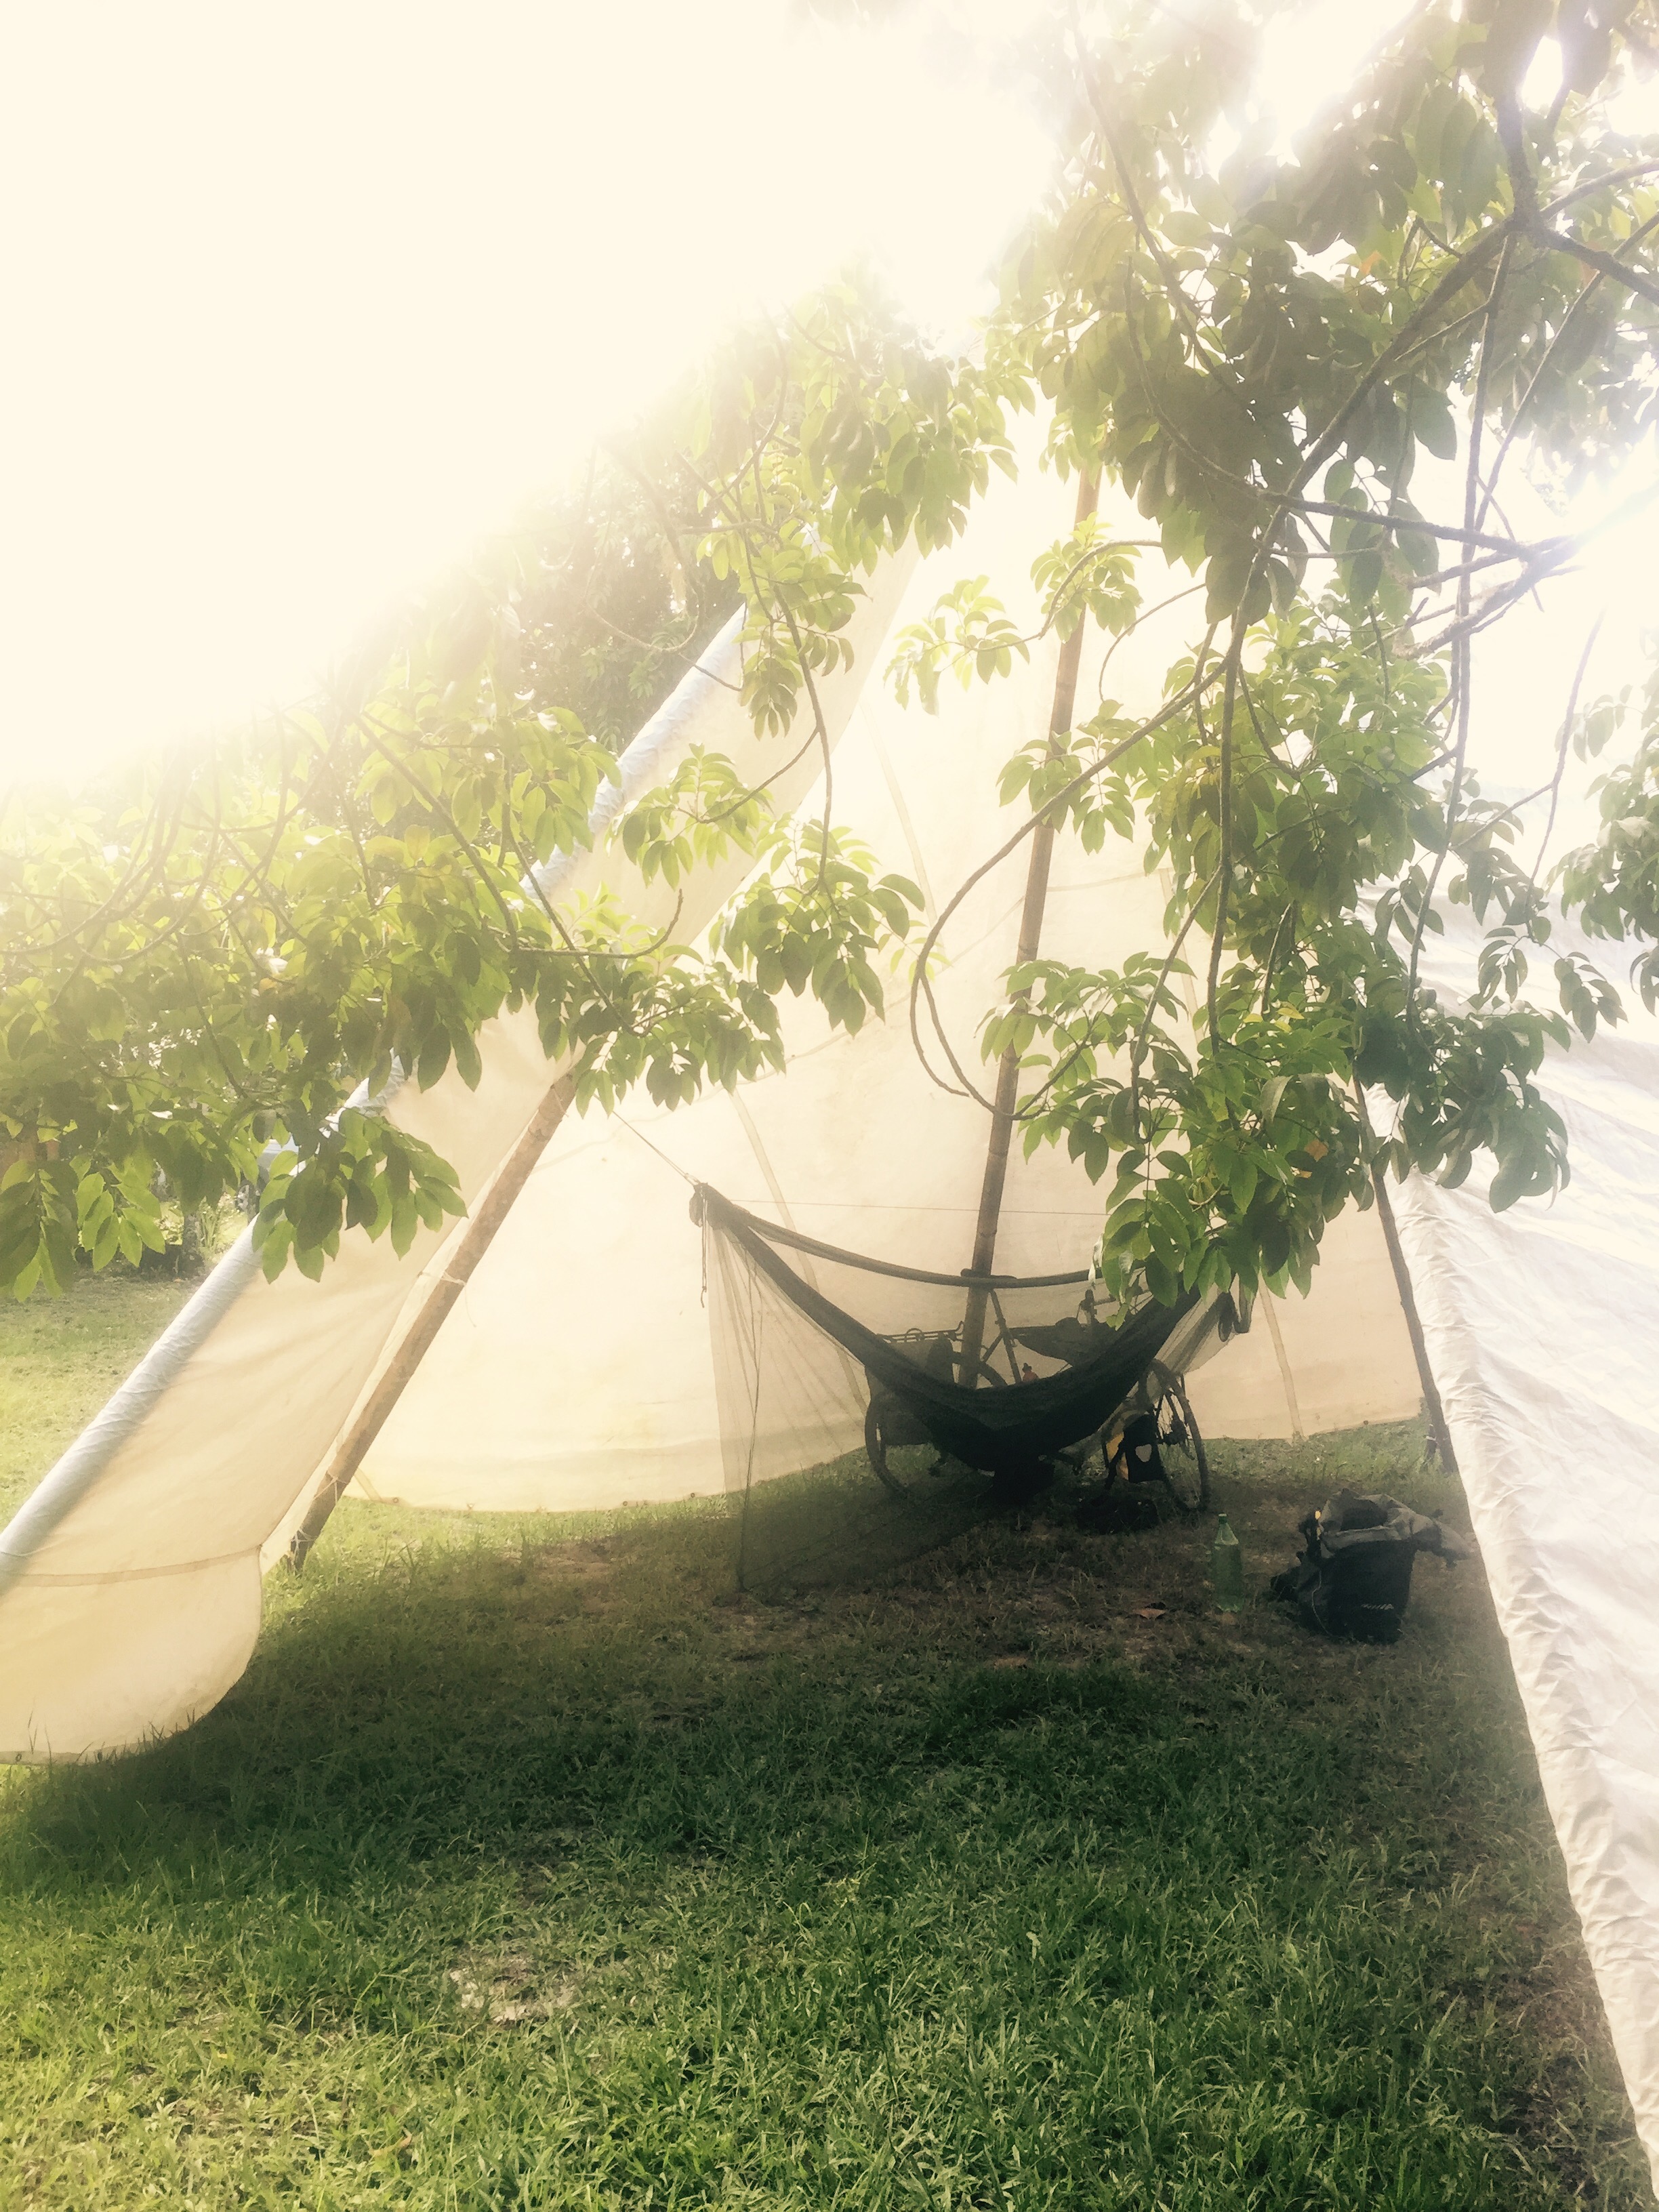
(797, 1369)
(1000, 1431)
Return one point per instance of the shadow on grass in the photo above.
(1011, 1873)
(455, 1694)
(440, 1684)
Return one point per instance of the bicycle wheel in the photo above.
(875, 1447)
(1181, 1444)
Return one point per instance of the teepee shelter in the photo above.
(553, 1352)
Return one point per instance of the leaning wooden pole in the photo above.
(1402, 1283)
(474, 1241)
(1006, 1094)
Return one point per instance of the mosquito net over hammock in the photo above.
(824, 1358)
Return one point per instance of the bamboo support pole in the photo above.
(470, 1246)
(1006, 1094)
(1402, 1283)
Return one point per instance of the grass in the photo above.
(530, 1867)
(60, 1360)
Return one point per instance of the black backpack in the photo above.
(1354, 1576)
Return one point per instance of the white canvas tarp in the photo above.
(575, 1369)
(1542, 1325)
(130, 1582)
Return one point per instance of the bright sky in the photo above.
(303, 302)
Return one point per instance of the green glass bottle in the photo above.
(1226, 1569)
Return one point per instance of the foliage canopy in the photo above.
(1308, 370)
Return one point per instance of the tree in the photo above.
(206, 955)
(1258, 349)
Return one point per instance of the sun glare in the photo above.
(306, 302)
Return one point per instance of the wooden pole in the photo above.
(1006, 1095)
(474, 1242)
(1402, 1283)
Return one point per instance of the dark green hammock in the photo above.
(1000, 1431)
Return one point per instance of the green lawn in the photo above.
(60, 1360)
(529, 1866)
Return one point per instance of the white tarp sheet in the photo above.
(1543, 1332)
(130, 1582)
(574, 1370)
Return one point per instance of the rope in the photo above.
(966, 1279)
(778, 1234)
(659, 1152)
